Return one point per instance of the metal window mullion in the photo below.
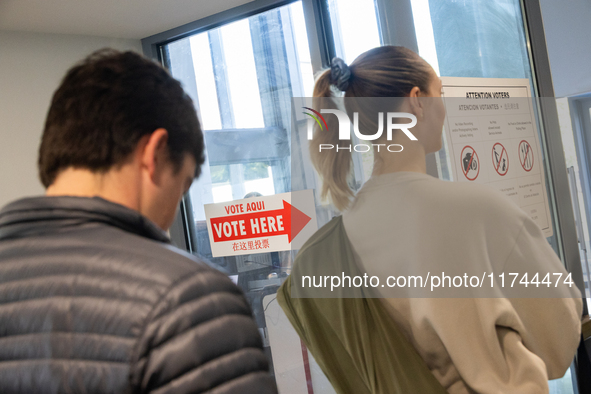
(335, 25)
(237, 181)
(216, 47)
(271, 67)
(396, 23)
(581, 121)
(320, 37)
(294, 75)
(275, 90)
(292, 55)
(582, 147)
(572, 177)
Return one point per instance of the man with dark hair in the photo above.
(93, 299)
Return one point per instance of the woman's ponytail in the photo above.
(333, 165)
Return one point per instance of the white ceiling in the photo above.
(133, 19)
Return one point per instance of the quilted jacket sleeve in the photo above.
(201, 338)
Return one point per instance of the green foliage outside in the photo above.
(252, 171)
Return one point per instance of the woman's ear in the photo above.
(415, 103)
(155, 154)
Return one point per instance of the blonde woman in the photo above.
(403, 220)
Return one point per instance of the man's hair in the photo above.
(105, 105)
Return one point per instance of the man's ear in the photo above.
(154, 154)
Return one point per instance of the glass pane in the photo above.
(242, 77)
(354, 26)
(202, 63)
(475, 38)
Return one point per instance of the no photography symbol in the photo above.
(469, 163)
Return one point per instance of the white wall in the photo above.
(31, 67)
(567, 25)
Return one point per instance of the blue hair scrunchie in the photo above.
(340, 74)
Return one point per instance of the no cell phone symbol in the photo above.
(470, 163)
(526, 156)
(500, 159)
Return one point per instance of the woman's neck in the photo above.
(411, 158)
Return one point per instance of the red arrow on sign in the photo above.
(289, 221)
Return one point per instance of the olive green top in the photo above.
(354, 340)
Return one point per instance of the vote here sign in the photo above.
(261, 224)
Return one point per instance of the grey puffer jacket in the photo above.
(93, 299)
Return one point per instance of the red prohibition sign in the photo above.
(500, 160)
(526, 156)
(469, 163)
